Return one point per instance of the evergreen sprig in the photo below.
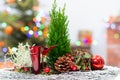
(58, 34)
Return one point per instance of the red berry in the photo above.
(86, 68)
(73, 67)
(68, 55)
(26, 69)
(46, 70)
(72, 58)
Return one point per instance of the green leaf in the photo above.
(87, 56)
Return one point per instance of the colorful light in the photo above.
(42, 19)
(4, 24)
(31, 32)
(2, 43)
(8, 30)
(116, 36)
(35, 28)
(4, 49)
(42, 26)
(36, 35)
(95, 42)
(22, 29)
(78, 43)
(113, 26)
(40, 33)
(26, 28)
(38, 24)
(34, 19)
(28, 35)
(85, 40)
(106, 19)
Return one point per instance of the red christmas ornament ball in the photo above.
(47, 70)
(97, 62)
(74, 67)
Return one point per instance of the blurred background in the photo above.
(93, 25)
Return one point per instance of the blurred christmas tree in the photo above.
(22, 21)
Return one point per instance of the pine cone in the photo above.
(63, 64)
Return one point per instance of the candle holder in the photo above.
(35, 57)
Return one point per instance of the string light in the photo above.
(35, 28)
(95, 42)
(106, 19)
(28, 35)
(34, 19)
(113, 26)
(38, 24)
(1, 43)
(78, 43)
(4, 24)
(22, 29)
(4, 49)
(40, 33)
(116, 35)
(26, 28)
(36, 35)
(42, 26)
(31, 32)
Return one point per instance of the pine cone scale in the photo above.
(63, 64)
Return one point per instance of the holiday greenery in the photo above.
(82, 60)
(77, 61)
(58, 34)
(59, 57)
(22, 21)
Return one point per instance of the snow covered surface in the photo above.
(108, 73)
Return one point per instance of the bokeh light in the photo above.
(40, 33)
(31, 32)
(112, 26)
(4, 49)
(4, 24)
(42, 26)
(106, 19)
(28, 35)
(95, 42)
(35, 28)
(116, 35)
(22, 29)
(78, 43)
(2, 43)
(26, 28)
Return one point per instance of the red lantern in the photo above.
(97, 62)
